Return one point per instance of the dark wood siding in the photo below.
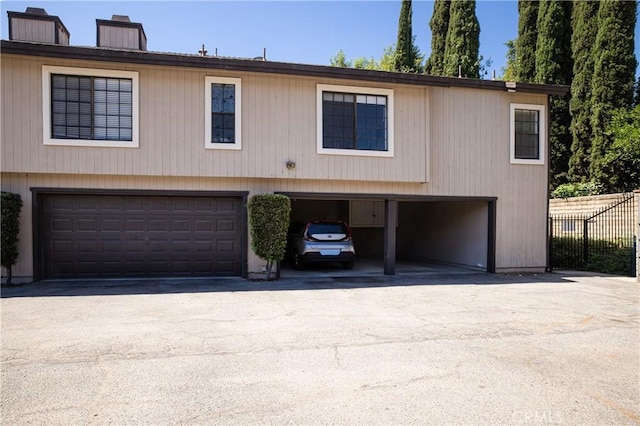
(140, 235)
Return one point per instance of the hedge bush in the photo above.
(579, 189)
(269, 222)
(11, 206)
(605, 256)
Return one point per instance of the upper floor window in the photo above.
(223, 97)
(528, 134)
(88, 107)
(355, 121)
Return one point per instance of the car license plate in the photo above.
(329, 252)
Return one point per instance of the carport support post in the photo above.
(390, 220)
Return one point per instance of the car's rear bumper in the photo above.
(313, 257)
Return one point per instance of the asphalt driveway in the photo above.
(459, 349)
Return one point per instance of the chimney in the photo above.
(36, 25)
(120, 33)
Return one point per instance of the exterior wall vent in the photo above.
(36, 25)
(120, 33)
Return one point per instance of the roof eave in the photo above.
(261, 66)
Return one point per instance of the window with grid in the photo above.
(91, 108)
(223, 113)
(223, 110)
(354, 121)
(527, 134)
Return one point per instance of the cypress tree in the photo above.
(636, 100)
(510, 71)
(462, 45)
(407, 58)
(439, 24)
(584, 20)
(554, 66)
(527, 38)
(613, 75)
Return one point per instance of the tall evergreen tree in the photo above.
(462, 46)
(439, 24)
(584, 20)
(636, 100)
(527, 38)
(510, 71)
(407, 58)
(613, 75)
(554, 65)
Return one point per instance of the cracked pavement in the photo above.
(468, 349)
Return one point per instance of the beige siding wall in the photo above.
(470, 156)
(33, 30)
(119, 37)
(278, 125)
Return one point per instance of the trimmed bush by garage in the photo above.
(269, 222)
(11, 206)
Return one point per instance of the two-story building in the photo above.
(136, 163)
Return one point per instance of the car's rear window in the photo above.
(327, 228)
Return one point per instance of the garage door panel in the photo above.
(204, 205)
(86, 224)
(225, 225)
(110, 224)
(111, 204)
(180, 225)
(61, 224)
(203, 225)
(110, 235)
(86, 247)
(159, 225)
(61, 245)
(134, 224)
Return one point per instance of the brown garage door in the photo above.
(140, 235)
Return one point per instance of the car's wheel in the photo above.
(348, 265)
(297, 262)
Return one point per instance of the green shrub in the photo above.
(578, 189)
(605, 256)
(269, 222)
(11, 206)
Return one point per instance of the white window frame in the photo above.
(47, 70)
(237, 82)
(376, 91)
(542, 133)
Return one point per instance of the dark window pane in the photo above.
(100, 84)
(353, 121)
(91, 107)
(85, 133)
(218, 121)
(527, 137)
(59, 119)
(229, 121)
(229, 136)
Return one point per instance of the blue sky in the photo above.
(307, 32)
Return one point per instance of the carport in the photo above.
(447, 230)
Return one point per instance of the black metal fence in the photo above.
(604, 241)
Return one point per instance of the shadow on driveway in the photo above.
(114, 287)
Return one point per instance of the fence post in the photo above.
(550, 260)
(634, 250)
(585, 242)
(637, 207)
